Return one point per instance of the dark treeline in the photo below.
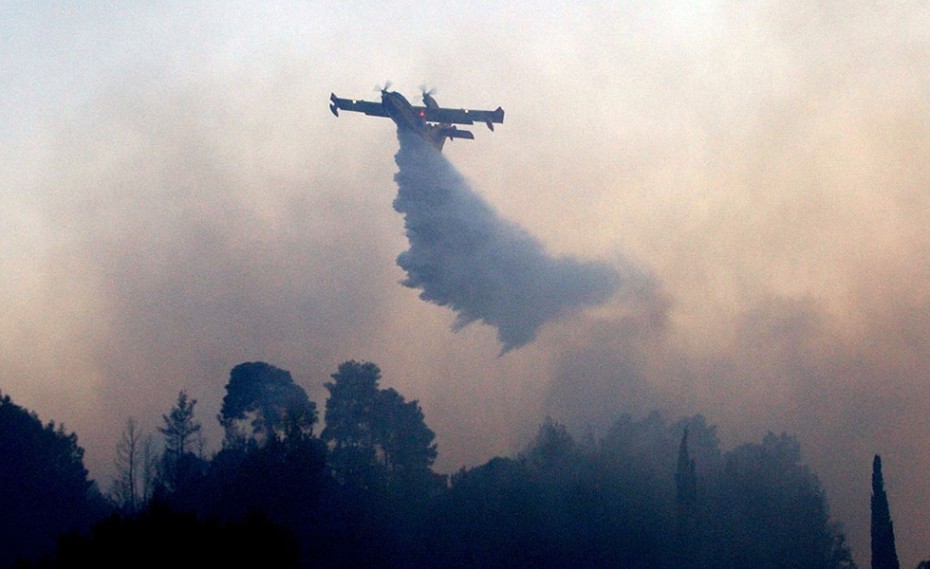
(361, 491)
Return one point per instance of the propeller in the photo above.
(387, 85)
(428, 99)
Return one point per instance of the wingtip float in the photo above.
(433, 123)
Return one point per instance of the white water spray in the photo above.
(465, 256)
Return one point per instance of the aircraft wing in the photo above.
(461, 116)
(367, 107)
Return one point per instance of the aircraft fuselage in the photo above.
(401, 111)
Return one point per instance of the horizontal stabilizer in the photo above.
(453, 132)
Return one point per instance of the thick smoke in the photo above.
(465, 256)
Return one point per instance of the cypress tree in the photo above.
(686, 501)
(884, 555)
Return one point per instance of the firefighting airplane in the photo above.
(432, 122)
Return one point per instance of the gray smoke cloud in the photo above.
(465, 256)
(176, 199)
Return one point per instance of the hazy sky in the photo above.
(176, 198)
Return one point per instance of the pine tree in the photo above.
(884, 555)
(180, 431)
(350, 424)
(376, 437)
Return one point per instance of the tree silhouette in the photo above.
(377, 437)
(350, 423)
(180, 426)
(178, 463)
(686, 505)
(552, 449)
(128, 486)
(406, 443)
(44, 489)
(771, 510)
(268, 398)
(884, 554)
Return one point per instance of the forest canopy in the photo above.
(651, 492)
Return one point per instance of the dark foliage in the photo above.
(378, 440)
(687, 510)
(617, 503)
(162, 537)
(350, 424)
(267, 398)
(44, 489)
(770, 510)
(282, 479)
(179, 465)
(884, 554)
(649, 494)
